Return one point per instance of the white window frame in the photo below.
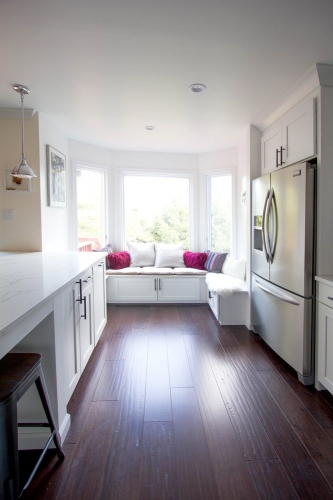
(207, 195)
(98, 168)
(119, 232)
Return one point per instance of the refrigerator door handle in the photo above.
(277, 295)
(271, 207)
(264, 235)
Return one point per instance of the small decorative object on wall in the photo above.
(56, 171)
(13, 183)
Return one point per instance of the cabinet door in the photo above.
(178, 289)
(299, 132)
(271, 141)
(132, 289)
(325, 346)
(99, 299)
(213, 301)
(86, 324)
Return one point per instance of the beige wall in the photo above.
(24, 233)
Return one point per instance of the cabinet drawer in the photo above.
(325, 294)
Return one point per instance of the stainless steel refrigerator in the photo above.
(283, 215)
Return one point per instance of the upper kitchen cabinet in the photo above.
(271, 142)
(291, 139)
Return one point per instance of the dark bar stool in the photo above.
(18, 371)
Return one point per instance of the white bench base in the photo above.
(156, 289)
(230, 310)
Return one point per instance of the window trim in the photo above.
(208, 174)
(97, 168)
(191, 175)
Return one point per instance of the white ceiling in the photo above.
(102, 70)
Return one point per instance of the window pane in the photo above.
(220, 199)
(157, 209)
(90, 209)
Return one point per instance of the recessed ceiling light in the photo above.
(149, 127)
(197, 87)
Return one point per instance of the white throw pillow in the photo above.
(169, 255)
(142, 254)
(233, 267)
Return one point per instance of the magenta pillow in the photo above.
(119, 260)
(195, 260)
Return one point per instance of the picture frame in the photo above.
(56, 175)
(15, 184)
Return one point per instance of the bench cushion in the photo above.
(224, 285)
(161, 271)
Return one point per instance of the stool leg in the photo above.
(43, 394)
(9, 463)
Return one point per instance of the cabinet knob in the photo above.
(330, 298)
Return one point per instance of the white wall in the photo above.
(249, 168)
(55, 227)
(24, 233)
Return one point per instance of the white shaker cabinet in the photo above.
(324, 358)
(271, 142)
(291, 139)
(175, 289)
(99, 286)
(86, 321)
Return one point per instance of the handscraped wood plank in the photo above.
(312, 399)
(195, 472)
(271, 480)
(89, 467)
(158, 401)
(231, 473)
(179, 369)
(298, 464)
(314, 438)
(110, 382)
(251, 435)
(159, 473)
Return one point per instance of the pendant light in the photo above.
(22, 170)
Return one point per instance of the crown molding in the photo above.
(318, 75)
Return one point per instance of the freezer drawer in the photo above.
(285, 324)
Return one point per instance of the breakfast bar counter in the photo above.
(46, 301)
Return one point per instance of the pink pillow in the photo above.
(119, 260)
(195, 260)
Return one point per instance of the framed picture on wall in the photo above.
(56, 175)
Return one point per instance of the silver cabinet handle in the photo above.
(277, 295)
(155, 284)
(330, 298)
(88, 279)
(159, 284)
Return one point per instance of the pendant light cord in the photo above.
(22, 124)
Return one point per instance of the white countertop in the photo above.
(27, 280)
(328, 280)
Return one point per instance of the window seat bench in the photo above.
(227, 296)
(153, 284)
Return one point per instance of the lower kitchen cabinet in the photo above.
(172, 289)
(99, 286)
(81, 314)
(86, 323)
(324, 358)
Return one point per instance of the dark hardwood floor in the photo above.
(173, 406)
